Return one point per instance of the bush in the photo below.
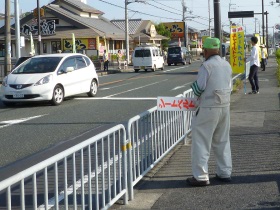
(93, 57)
(237, 85)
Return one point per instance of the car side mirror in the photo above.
(69, 69)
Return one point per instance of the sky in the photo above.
(171, 10)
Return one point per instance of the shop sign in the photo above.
(81, 44)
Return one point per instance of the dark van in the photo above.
(177, 55)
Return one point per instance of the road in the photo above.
(27, 129)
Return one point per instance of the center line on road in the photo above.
(135, 88)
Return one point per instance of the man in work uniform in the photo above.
(211, 125)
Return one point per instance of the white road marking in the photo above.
(114, 86)
(175, 69)
(136, 88)
(17, 121)
(183, 86)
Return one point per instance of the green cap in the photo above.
(211, 43)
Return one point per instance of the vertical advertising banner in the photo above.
(237, 52)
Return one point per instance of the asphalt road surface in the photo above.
(27, 129)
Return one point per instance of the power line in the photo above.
(138, 11)
(174, 19)
(162, 8)
(167, 6)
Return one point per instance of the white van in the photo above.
(147, 57)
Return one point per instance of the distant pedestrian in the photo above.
(211, 123)
(119, 58)
(105, 61)
(264, 57)
(254, 66)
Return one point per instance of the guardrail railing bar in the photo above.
(56, 185)
(9, 197)
(89, 179)
(102, 173)
(34, 191)
(96, 177)
(65, 183)
(114, 167)
(22, 195)
(82, 178)
(46, 187)
(109, 169)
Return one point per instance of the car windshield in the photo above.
(38, 65)
(142, 53)
(174, 50)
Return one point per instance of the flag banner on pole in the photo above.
(32, 52)
(237, 52)
(176, 104)
(73, 43)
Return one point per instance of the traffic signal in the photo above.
(241, 14)
(35, 12)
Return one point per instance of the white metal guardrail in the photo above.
(93, 170)
(152, 134)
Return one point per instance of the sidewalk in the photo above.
(255, 144)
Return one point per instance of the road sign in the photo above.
(176, 104)
(241, 14)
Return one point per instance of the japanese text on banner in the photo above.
(237, 53)
(176, 104)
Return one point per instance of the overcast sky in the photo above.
(171, 10)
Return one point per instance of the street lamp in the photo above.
(127, 2)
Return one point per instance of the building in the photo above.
(92, 31)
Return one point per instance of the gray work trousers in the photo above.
(210, 129)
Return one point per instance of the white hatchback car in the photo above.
(50, 78)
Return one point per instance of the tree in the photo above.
(161, 29)
(25, 14)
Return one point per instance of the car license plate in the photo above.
(142, 67)
(18, 95)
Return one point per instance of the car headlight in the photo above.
(44, 80)
(4, 82)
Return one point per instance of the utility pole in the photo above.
(39, 27)
(255, 25)
(217, 21)
(184, 19)
(126, 33)
(263, 21)
(17, 26)
(210, 34)
(7, 38)
(266, 14)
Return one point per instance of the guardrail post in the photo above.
(129, 163)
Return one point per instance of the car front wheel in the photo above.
(93, 88)
(58, 95)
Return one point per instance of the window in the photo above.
(56, 45)
(87, 60)
(80, 63)
(69, 62)
(143, 53)
(44, 47)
